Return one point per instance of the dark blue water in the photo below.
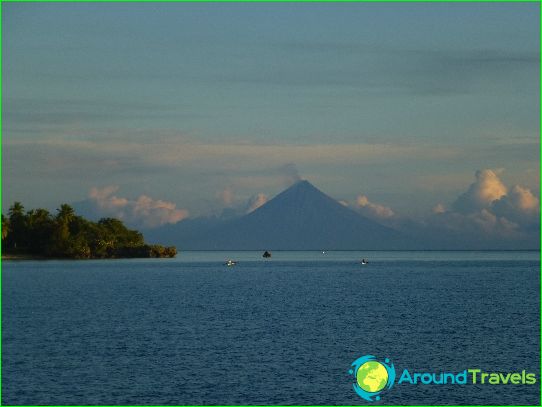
(192, 331)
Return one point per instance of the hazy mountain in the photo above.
(299, 218)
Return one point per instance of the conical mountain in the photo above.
(299, 218)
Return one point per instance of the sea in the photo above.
(278, 331)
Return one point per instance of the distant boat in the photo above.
(230, 263)
(266, 254)
(364, 261)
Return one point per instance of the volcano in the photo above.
(300, 218)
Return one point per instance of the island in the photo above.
(39, 234)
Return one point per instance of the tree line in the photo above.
(37, 232)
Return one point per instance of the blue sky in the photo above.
(183, 103)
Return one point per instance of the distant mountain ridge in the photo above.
(300, 218)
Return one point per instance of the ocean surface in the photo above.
(280, 331)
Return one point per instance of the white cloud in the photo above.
(372, 209)
(144, 211)
(487, 188)
(522, 199)
(519, 205)
(489, 195)
(105, 199)
(488, 210)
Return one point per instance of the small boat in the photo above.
(364, 261)
(266, 254)
(230, 263)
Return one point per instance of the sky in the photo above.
(183, 110)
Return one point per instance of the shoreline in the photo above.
(11, 256)
(19, 257)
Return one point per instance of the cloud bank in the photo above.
(488, 214)
(143, 212)
(514, 208)
(373, 210)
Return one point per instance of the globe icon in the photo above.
(372, 376)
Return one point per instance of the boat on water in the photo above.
(266, 254)
(364, 261)
(230, 263)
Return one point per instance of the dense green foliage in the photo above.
(37, 232)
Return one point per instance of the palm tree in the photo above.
(65, 213)
(16, 210)
(38, 216)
